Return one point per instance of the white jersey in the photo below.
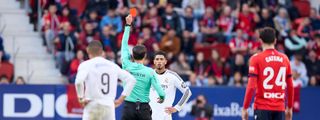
(169, 81)
(100, 77)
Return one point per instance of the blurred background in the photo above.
(208, 43)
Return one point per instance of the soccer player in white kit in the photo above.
(169, 81)
(96, 85)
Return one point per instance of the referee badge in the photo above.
(183, 85)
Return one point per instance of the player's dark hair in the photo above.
(267, 35)
(160, 53)
(139, 52)
(95, 48)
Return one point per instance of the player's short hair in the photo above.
(139, 52)
(160, 53)
(267, 35)
(95, 48)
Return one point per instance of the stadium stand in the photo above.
(225, 31)
(25, 47)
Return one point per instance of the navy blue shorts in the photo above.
(268, 115)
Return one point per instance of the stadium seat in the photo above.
(303, 7)
(223, 50)
(7, 69)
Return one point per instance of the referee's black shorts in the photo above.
(136, 111)
(268, 115)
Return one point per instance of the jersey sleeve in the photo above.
(80, 79)
(253, 67)
(125, 54)
(253, 74)
(82, 74)
(127, 78)
(181, 85)
(156, 85)
(289, 82)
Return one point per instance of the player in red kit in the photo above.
(269, 78)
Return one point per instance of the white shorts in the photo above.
(160, 115)
(96, 111)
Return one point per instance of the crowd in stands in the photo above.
(208, 42)
(6, 67)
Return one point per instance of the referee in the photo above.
(136, 106)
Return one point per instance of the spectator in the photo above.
(170, 44)
(305, 29)
(201, 109)
(197, 5)
(50, 26)
(200, 67)
(3, 55)
(239, 65)
(282, 22)
(239, 44)
(112, 20)
(75, 64)
(226, 22)
(181, 67)
(296, 81)
(86, 36)
(110, 55)
(247, 19)
(137, 20)
(254, 44)
(148, 41)
(67, 16)
(313, 65)
(189, 24)
(265, 19)
(152, 20)
(4, 80)
(190, 31)
(294, 43)
(209, 29)
(214, 4)
(66, 47)
(314, 81)
(133, 38)
(316, 45)
(93, 19)
(299, 67)
(236, 80)
(315, 19)
(20, 81)
(108, 40)
(194, 82)
(216, 68)
(140, 4)
(170, 20)
(175, 3)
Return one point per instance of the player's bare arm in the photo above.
(130, 81)
(82, 74)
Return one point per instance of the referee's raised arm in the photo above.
(136, 105)
(125, 54)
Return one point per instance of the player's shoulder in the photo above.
(255, 56)
(173, 74)
(110, 63)
(149, 70)
(84, 64)
(283, 56)
(170, 72)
